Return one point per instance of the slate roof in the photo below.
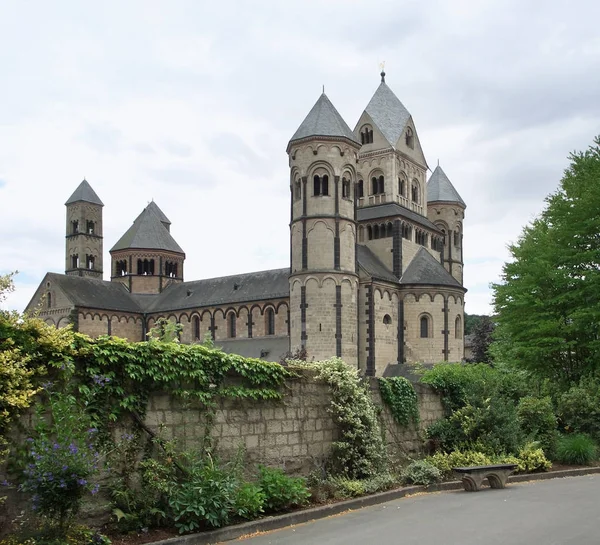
(323, 120)
(391, 209)
(388, 113)
(84, 192)
(237, 288)
(148, 232)
(272, 348)
(94, 293)
(153, 207)
(440, 189)
(425, 269)
(372, 265)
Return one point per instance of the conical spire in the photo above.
(149, 233)
(388, 113)
(323, 120)
(84, 192)
(153, 207)
(440, 189)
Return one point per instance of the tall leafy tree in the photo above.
(548, 303)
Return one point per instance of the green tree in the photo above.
(548, 303)
(481, 339)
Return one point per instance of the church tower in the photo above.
(446, 209)
(83, 255)
(323, 276)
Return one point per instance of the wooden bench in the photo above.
(472, 477)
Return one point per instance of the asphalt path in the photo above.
(552, 512)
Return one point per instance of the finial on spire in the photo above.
(382, 66)
(438, 162)
(323, 88)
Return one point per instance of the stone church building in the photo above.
(376, 258)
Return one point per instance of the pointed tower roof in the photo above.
(440, 189)
(323, 120)
(153, 207)
(148, 232)
(388, 113)
(425, 269)
(84, 192)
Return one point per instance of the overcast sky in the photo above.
(192, 103)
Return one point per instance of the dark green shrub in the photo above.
(577, 448)
(281, 491)
(421, 472)
(249, 501)
(579, 408)
(538, 421)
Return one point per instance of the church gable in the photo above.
(409, 144)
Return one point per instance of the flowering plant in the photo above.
(61, 461)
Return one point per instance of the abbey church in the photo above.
(376, 271)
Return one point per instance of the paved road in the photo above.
(554, 512)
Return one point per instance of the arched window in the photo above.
(374, 186)
(424, 322)
(458, 327)
(406, 231)
(75, 227)
(297, 190)
(457, 237)
(90, 227)
(48, 300)
(376, 231)
(401, 187)
(231, 323)
(366, 135)
(196, 326)
(369, 232)
(270, 321)
(389, 229)
(361, 234)
(380, 185)
(145, 267)
(75, 261)
(122, 267)
(361, 189)
(387, 319)
(346, 188)
(414, 192)
(321, 185)
(89, 262)
(410, 139)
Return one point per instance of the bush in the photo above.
(249, 501)
(421, 472)
(537, 419)
(347, 488)
(579, 408)
(531, 459)
(281, 492)
(61, 461)
(446, 461)
(577, 449)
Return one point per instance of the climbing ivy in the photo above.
(399, 395)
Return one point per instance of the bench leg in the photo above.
(498, 480)
(472, 483)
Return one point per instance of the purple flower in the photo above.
(62, 484)
(29, 439)
(81, 482)
(55, 446)
(73, 449)
(5, 483)
(95, 489)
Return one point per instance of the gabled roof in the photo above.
(88, 292)
(388, 113)
(440, 189)
(149, 233)
(238, 288)
(425, 269)
(371, 264)
(391, 209)
(153, 207)
(323, 120)
(84, 192)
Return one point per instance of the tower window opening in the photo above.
(122, 267)
(380, 185)
(145, 267)
(401, 188)
(90, 227)
(457, 238)
(345, 188)
(424, 322)
(270, 322)
(389, 230)
(366, 135)
(369, 232)
(410, 139)
(361, 189)
(75, 261)
(48, 300)
(231, 323)
(377, 185)
(297, 190)
(75, 227)
(321, 186)
(387, 319)
(89, 262)
(376, 232)
(458, 328)
(171, 269)
(406, 231)
(415, 192)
